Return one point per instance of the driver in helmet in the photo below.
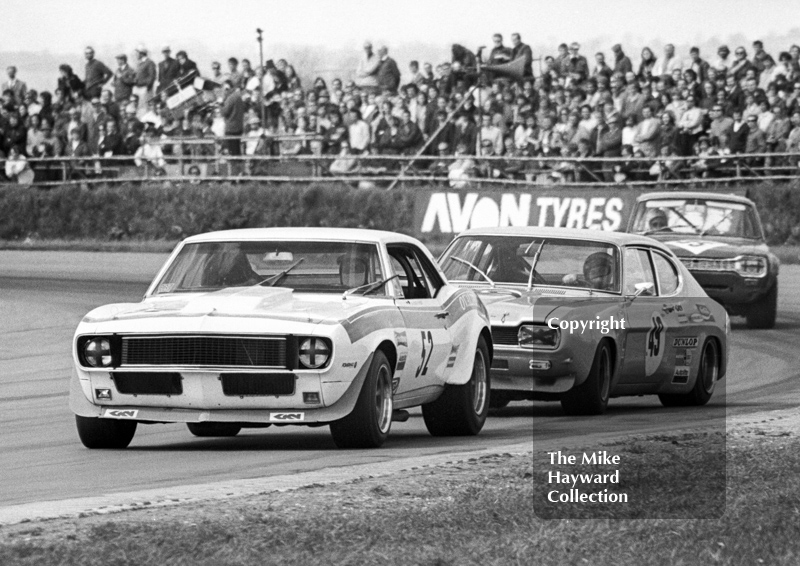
(658, 221)
(598, 273)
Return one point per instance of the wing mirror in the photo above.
(642, 288)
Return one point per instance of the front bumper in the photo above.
(513, 370)
(257, 410)
(730, 288)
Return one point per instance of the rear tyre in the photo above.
(105, 433)
(499, 399)
(461, 409)
(369, 423)
(213, 429)
(704, 385)
(591, 397)
(763, 313)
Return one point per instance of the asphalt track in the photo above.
(43, 295)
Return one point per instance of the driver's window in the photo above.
(638, 270)
(412, 277)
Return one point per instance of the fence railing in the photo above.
(291, 158)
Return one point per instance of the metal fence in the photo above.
(299, 159)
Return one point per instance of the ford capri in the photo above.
(580, 316)
(260, 327)
(719, 238)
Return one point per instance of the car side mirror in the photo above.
(641, 288)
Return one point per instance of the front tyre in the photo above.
(704, 385)
(369, 423)
(205, 430)
(105, 433)
(591, 397)
(461, 409)
(762, 314)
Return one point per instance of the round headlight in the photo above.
(97, 352)
(314, 353)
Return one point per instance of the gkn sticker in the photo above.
(287, 417)
(687, 342)
(121, 413)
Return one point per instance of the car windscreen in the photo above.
(305, 266)
(508, 260)
(696, 216)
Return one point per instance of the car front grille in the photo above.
(204, 351)
(505, 335)
(703, 264)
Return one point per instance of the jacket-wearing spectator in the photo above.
(697, 64)
(16, 86)
(522, 51)
(96, 75)
(646, 138)
(146, 74)
(740, 130)
(500, 53)
(760, 57)
(668, 63)
(740, 65)
(17, 168)
(111, 143)
(622, 63)
(576, 68)
(15, 135)
(667, 131)
(124, 79)
(388, 72)
(601, 67)
(359, 133)
(409, 135)
(721, 125)
(367, 71)
(233, 74)
(168, 69)
(186, 67)
(233, 109)
(69, 83)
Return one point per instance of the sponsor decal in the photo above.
(395, 384)
(401, 362)
(453, 354)
(287, 417)
(401, 339)
(685, 342)
(696, 246)
(121, 413)
(350, 365)
(453, 212)
(681, 374)
(705, 312)
(696, 317)
(682, 318)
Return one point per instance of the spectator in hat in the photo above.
(96, 75)
(186, 67)
(146, 74)
(168, 69)
(367, 71)
(124, 80)
(388, 73)
(622, 63)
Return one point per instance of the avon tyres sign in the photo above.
(451, 212)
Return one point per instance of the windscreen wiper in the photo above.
(469, 264)
(533, 265)
(370, 287)
(272, 280)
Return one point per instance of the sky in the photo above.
(213, 28)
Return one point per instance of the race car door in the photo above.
(649, 323)
(427, 326)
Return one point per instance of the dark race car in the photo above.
(719, 238)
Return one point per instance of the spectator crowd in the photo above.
(472, 117)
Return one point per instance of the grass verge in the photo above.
(475, 512)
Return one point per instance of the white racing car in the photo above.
(303, 326)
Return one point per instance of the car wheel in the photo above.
(461, 409)
(704, 385)
(213, 429)
(499, 399)
(369, 423)
(762, 314)
(591, 397)
(105, 433)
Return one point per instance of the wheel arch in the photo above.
(390, 351)
(486, 334)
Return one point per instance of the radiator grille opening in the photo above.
(203, 351)
(505, 336)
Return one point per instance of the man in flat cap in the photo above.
(124, 79)
(145, 77)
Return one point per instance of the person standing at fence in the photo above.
(233, 114)
(145, 78)
(124, 80)
(97, 75)
(367, 72)
(168, 69)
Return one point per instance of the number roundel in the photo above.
(654, 344)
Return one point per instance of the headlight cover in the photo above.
(313, 353)
(97, 352)
(530, 336)
(751, 266)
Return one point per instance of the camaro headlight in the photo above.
(530, 336)
(97, 352)
(751, 266)
(313, 353)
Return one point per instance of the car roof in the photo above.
(305, 233)
(616, 238)
(695, 194)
